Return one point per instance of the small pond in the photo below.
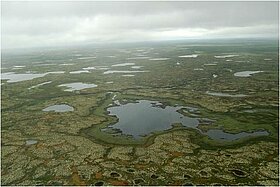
(146, 117)
(216, 134)
(85, 58)
(219, 94)
(123, 64)
(138, 58)
(188, 56)
(225, 56)
(117, 71)
(77, 86)
(246, 73)
(59, 108)
(89, 68)
(79, 71)
(158, 59)
(30, 142)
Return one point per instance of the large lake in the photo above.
(145, 117)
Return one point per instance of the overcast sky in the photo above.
(34, 24)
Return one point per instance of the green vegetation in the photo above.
(72, 149)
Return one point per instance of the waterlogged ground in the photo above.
(222, 127)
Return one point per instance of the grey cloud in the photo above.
(52, 23)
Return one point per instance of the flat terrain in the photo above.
(222, 98)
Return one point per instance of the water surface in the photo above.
(30, 142)
(117, 71)
(136, 67)
(89, 68)
(18, 77)
(156, 59)
(128, 75)
(146, 117)
(59, 108)
(216, 134)
(143, 118)
(77, 86)
(123, 64)
(246, 73)
(138, 58)
(219, 94)
(225, 56)
(85, 58)
(188, 56)
(79, 71)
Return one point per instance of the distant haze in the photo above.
(40, 24)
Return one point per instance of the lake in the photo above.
(146, 117)
(18, 77)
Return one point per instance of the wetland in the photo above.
(167, 113)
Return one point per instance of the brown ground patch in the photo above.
(98, 175)
(118, 183)
(75, 178)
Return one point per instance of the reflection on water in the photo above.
(13, 77)
(145, 117)
(59, 108)
(123, 64)
(216, 134)
(188, 56)
(225, 94)
(30, 142)
(77, 86)
(225, 56)
(136, 67)
(116, 71)
(79, 71)
(246, 73)
(17, 77)
(158, 59)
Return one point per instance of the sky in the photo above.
(65, 23)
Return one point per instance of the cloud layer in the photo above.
(32, 24)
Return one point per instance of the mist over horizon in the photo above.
(63, 24)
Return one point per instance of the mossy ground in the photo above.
(71, 149)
